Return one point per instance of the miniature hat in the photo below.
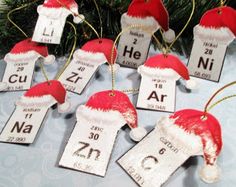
(46, 93)
(218, 23)
(201, 133)
(113, 105)
(27, 50)
(54, 9)
(167, 66)
(152, 8)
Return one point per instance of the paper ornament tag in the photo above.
(207, 59)
(52, 18)
(152, 161)
(90, 145)
(134, 44)
(80, 71)
(157, 94)
(19, 75)
(24, 124)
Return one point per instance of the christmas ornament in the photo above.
(216, 30)
(21, 62)
(158, 85)
(142, 19)
(52, 18)
(31, 109)
(85, 63)
(98, 122)
(176, 138)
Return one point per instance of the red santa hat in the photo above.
(168, 66)
(46, 93)
(218, 23)
(113, 106)
(57, 8)
(27, 50)
(99, 51)
(148, 13)
(201, 134)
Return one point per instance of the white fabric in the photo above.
(36, 101)
(22, 57)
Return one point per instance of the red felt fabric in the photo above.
(119, 102)
(102, 45)
(190, 120)
(55, 89)
(28, 45)
(170, 61)
(220, 17)
(154, 8)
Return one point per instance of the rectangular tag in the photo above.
(49, 30)
(90, 145)
(77, 75)
(207, 59)
(152, 161)
(157, 94)
(133, 48)
(23, 125)
(18, 75)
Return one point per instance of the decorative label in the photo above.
(133, 48)
(77, 75)
(90, 145)
(49, 30)
(207, 59)
(23, 125)
(152, 161)
(19, 75)
(157, 94)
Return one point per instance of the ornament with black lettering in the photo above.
(98, 122)
(30, 112)
(85, 63)
(176, 138)
(52, 18)
(158, 84)
(144, 18)
(216, 30)
(21, 62)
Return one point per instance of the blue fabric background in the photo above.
(37, 165)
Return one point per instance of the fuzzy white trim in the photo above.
(22, 57)
(137, 133)
(94, 114)
(158, 72)
(223, 34)
(85, 56)
(149, 22)
(210, 173)
(53, 13)
(36, 101)
(190, 141)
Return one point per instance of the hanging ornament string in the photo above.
(222, 3)
(209, 107)
(13, 23)
(16, 9)
(187, 23)
(84, 20)
(100, 18)
(71, 53)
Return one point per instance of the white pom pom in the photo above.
(191, 84)
(78, 19)
(115, 67)
(3, 86)
(169, 36)
(65, 107)
(137, 133)
(49, 59)
(210, 173)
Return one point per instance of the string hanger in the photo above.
(14, 24)
(208, 107)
